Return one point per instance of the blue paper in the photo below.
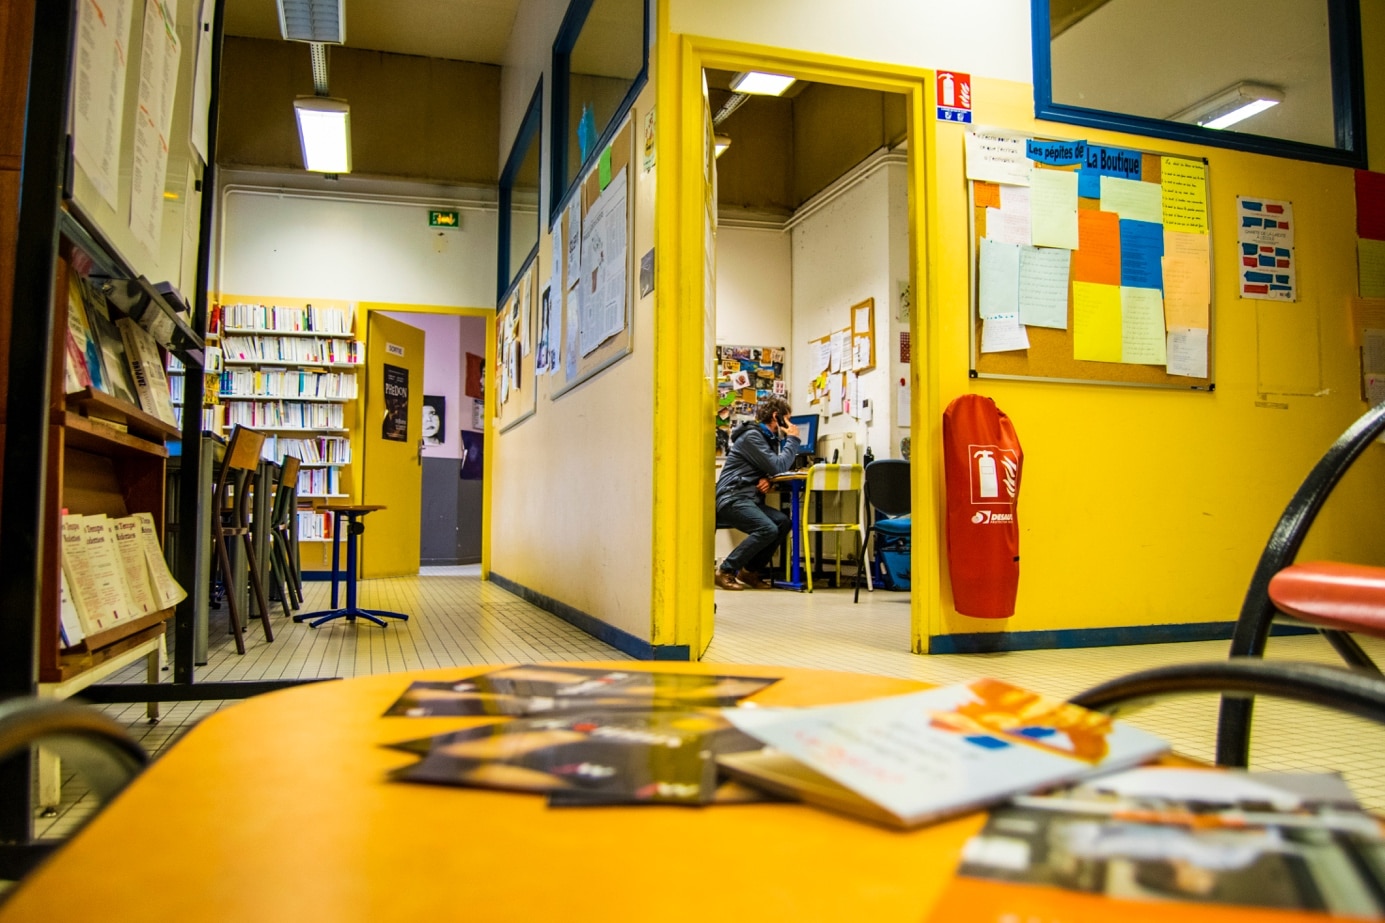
(1106, 161)
(586, 133)
(1057, 153)
(1142, 252)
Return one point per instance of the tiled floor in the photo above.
(459, 619)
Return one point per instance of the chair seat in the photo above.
(1328, 594)
(900, 525)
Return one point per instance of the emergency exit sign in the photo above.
(443, 219)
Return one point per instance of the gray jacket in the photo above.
(755, 453)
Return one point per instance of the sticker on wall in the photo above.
(396, 423)
(394, 349)
(954, 97)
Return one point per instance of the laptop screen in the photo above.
(807, 424)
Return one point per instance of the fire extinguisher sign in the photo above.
(954, 97)
(994, 475)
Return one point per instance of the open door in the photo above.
(709, 324)
(393, 443)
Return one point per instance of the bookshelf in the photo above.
(292, 369)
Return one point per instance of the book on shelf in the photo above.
(913, 759)
(115, 373)
(146, 367)
(82, 366)
(167, 591)
(1165, 843)
(70, 630)
(95, 574)
(130, 545)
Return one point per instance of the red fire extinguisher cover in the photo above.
(982, 462)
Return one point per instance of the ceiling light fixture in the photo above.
(313, 20)
(324, 130)
(760, 84)
(721, 143)
(1232, 105)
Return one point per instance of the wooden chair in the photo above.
(827, 479)
(232, 499)
(283, 556)
(1335, 598)
(889, 501)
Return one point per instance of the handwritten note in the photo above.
(985, 195)
(1003, 333)
(1132, 199)
(997, 159)
(999, 279)
(1096, 322)
(1142, 326)
(1370, 262)
(1098, 256)
(1187, 291)
(1007, 227)
(1183, 188)
(1053, 208)
(1187, 351)
(1182, 244)
(1043, 295)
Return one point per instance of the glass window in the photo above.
(1274, 76)
(599, 66)
(519, 197)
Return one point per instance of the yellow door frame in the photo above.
(683, 391)
(487, 314)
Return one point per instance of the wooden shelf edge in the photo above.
(93, 435)
(74, 662)
(123, 630)
(96, 403)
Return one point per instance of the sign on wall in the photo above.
(954, 96)
(396, 425)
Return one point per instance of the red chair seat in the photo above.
(1347, 597)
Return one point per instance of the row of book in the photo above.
(324, 450)
(112, 354)
(285, 414)
(290, 383)
(308, 350)
(273, 318)
(319, 481)
(113, 571)
(314, 526)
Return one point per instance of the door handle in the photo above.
(420, 452)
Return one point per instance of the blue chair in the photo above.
(889, 500)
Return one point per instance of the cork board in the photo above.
(1052, 352)
(573, 367)
(517, 390)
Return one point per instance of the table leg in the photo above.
(350, 568)
(336, 554)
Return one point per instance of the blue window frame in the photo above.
(519, 199)
(1343, 125)
(599, 67)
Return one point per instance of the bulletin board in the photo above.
(516, 390)
(746, 375)
(1112, 284)
(597, 202)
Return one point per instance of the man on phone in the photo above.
(759, 451)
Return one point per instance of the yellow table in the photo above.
(277, 808)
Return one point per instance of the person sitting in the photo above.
(759, 451)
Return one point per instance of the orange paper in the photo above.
(1098, 254)
(985, 195)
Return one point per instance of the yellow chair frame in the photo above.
(835, 478)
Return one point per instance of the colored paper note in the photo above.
(997, 159)
(1183, 188)
(1142, 326)
(1096, 322)
(1370, 263)
(1043, 295)
(1007, 227)
(1053, 208)
(1056, 153)
(1003, 333)
(999, 279)
(1187, 291)
(1182, 244)
(985, 195)
(1373, 351)
(1098, 255)
(1142, 250)
(1370, 205)
(1107, 161)
(1132, 199)
(1187, 351)
(603, 168)
(1268, 222)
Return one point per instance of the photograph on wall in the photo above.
(396, 423)
(434, 419)
(475, 376)
(473, 456)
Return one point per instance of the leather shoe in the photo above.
(725, 580)
(752, 580)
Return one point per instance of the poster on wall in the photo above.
(434, 419)
(1265, 228)
(396, 424)
(475, 376)
(472, 460)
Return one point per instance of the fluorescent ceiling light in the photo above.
(324, 130)
(722, 142)
(313, 20)
(758, 84)
(1232, 105)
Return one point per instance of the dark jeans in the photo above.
(765, 528)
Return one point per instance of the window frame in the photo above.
(531, 125)
(1348, 98)
(560, 189)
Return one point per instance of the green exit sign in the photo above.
(442, 219)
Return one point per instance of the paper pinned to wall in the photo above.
(997, 159)
(1003, 333)
(1373, 351)
(999, 279)
(1043, 287)
(1132, 199)
(1142, 326)
(158, 81)
(604, 264)
(1370, 263)
(841, 350)
(902, 404)
(1187, 351)
(1183, 194)
(98, 92)
(836, 393)
(1096, 322)
(574, 242)
(1053, 209)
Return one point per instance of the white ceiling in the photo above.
(462, 30)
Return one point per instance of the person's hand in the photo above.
(763, 486)
(789, 428)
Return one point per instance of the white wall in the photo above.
(442, 374)
(980, 37)
(754, 288)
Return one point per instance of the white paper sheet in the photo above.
(98, 91)
(603, 267)
(1043, 286)
(999, 279)
(1003, 333)
(158, 75)
(996, 159)
(1187, 351)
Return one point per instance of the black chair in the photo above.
(283, 551)
(1335, 598)
(231, 518)
(86, 740)
(889, 501)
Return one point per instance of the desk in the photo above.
(277, 808)
(354, 513)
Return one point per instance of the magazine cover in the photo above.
(534, 690)
(595, 757)
(1226, 845)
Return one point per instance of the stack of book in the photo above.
(113, 572)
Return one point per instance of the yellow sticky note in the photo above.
(1183, 185)
(1370, 261)
(1096, 322)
